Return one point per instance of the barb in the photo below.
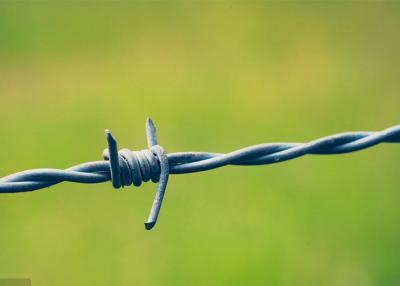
(125, 168)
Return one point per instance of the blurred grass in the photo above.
(214, 77)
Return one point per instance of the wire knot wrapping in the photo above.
(125, 167)
(134, 167)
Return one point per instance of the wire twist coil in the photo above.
(126, 167)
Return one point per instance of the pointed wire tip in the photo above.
(150, 123)
(109, 137)
(151, 132)
(149, 225)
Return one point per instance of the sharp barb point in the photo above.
(109, 137)
(149, 225)
(150, 121)
(151, 132)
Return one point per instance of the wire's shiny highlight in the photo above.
(127, 167)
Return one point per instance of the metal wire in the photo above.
(127, 167)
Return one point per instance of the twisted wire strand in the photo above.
(127, 167)
(189, 162)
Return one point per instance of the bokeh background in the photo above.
(214, 76)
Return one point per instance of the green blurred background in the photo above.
(214, 77)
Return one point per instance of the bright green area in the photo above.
(214, 77)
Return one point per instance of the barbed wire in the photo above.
(126, 167)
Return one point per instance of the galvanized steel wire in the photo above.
(125, 167)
